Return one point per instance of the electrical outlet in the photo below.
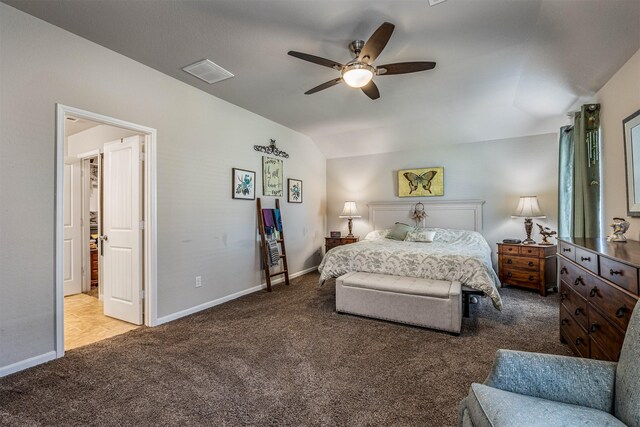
(198, 281)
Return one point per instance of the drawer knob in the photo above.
(564, 270)
(566, 249)
(622, 311)
(594, 327)
(613, 272)
(579, 341)
(563, 296)
(530, 264)
(564, 322)
(509, 274)
(594, 292)
(579, 280)
(531, 278)
(585, 258)
(578, 311)
(509, 261)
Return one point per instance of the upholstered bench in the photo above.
(428, 303)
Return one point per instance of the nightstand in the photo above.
(528, 266)
(332, 242)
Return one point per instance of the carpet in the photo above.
(279, 359)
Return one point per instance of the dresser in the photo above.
(528, 266)
(332, 242)
(598, 290)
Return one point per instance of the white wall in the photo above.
(94, 139)
(498, 172)
(201, 230)
(619, 98)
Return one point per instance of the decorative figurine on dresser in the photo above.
(529, 266)
(619, 226)
(598, 291)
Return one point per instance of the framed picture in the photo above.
(271, 177)
(294, 194)
(243, 184)
(335, 234)
(423, 182)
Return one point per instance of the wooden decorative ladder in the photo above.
(265, 254)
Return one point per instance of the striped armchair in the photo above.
(534, 389)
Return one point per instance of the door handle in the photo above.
(104, 238)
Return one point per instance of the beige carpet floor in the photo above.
(278, 359)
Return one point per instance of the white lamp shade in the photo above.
(528, 207)
(350, 210)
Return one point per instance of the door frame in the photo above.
(150, 251)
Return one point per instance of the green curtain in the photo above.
(579, 181)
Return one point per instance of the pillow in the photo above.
(399, 231)
(376, 234)
(420, 235)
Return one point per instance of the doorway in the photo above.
(105, 227)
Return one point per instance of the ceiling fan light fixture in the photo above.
(357, 74)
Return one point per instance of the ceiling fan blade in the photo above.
(316, 60)
(376, 43)
(404, 68)
(371, 90)
(324, 86)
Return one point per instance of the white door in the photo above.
(122, 236)
(72, 212)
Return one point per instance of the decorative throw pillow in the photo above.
(376, 234)
(399, 231)
(420, 235)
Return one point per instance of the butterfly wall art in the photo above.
(244, 184)
(422, 182)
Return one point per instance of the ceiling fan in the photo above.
(359, 72)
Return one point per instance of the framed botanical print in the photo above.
(243, 185)
(423, 182)
(294, 194)
(272, 177)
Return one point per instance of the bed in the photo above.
(458, 251)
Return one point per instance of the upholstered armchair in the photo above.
(533, 389)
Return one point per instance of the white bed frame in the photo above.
(456, 214)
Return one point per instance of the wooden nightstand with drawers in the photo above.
(528, 266)
(332, 242)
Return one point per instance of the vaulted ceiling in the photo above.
(505, 68)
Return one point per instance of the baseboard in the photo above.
(27, 363)
(209, 304)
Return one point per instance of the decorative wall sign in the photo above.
(272, 177)
(243, 184)
(421, 182)
(271, 149)
(295, 190)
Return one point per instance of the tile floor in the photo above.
(85, 323)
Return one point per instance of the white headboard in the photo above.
(456, 214)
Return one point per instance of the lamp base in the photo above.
(528, 242)
(528, 228)
(350, 228)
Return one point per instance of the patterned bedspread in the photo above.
(458, 255)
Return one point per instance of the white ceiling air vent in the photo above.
(208, 71)
(435, 2)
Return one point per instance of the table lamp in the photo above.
(528, 208)
(350, 211)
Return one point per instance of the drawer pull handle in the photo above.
(621, 311)
(594, 327)
(613, 272)
(563, 296)
(530, 264)
(579, 341)
(509, 261)
(531, 278)
(509, 274)
(579, 281)
(564, 322)
(564, 270)
(578, 311)
(594, 292)
(585, 258)
(566, 249)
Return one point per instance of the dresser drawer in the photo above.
(574, 304)
(611, 300)
(333, 242)
(621, 274)
(568, 251)
(598, 353)
(575, 335)
(531, 251)
(608, 337)
(509, 249)
(587, 259)
(522, 277)
(574, 277)
(521, 263)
